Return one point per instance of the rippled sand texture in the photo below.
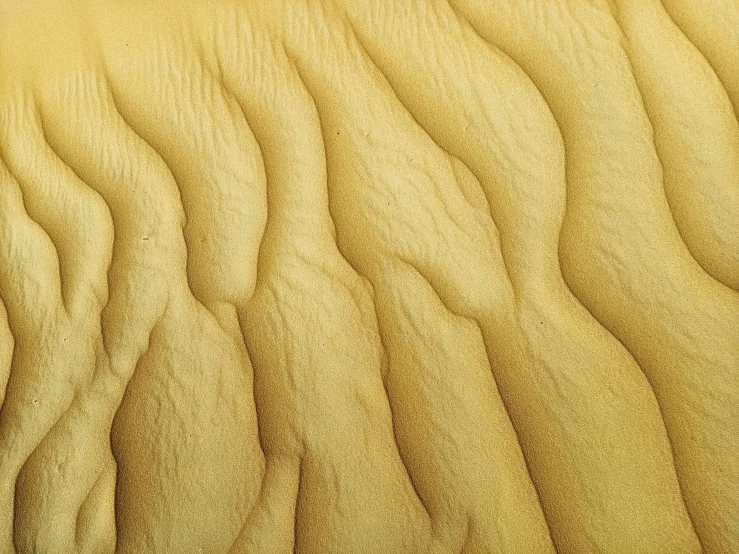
(369, 277)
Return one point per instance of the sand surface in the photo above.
(382, 276)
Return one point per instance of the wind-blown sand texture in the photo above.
(383, 276)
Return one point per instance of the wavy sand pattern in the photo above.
(388, 277)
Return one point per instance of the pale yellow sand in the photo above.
(383, 276)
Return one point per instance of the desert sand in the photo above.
(376, 276)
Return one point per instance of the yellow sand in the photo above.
(369, 276)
